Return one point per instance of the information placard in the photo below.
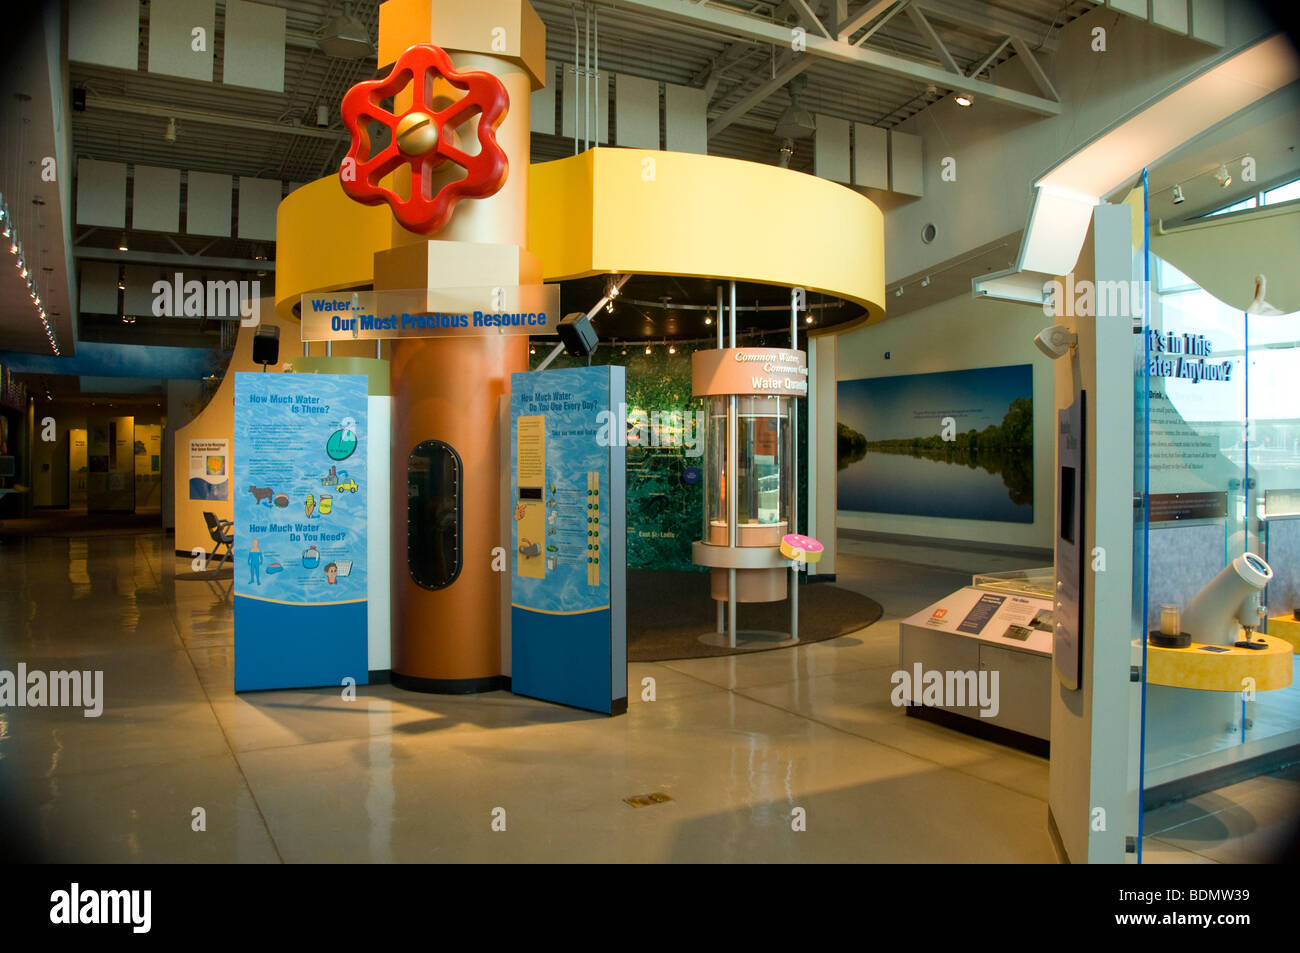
(300, 530)
(568, 615)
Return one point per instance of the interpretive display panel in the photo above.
(956, 444)
(300, 530)
(568, 621)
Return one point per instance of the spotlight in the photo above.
(121, 243)
(322, 115)
(1179, 199)
(1056, 341)
(609, 308)
(925, 282)
(964, 99)
(899, 292)
(672, 349)
(808, 318)
(1223, 176)
(649, 349)
(613, 288)
(708, 319)
(170, 134)
(532, 350)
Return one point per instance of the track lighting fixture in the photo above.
(1223, 176)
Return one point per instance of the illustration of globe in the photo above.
(341, 444)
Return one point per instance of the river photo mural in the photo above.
(957, 444)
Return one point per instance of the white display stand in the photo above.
(983, 628)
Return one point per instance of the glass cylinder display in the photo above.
(764, 471)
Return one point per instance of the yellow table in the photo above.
(1194, 667)
(1285, 627)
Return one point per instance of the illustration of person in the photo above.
(255, 564)
(331, 573)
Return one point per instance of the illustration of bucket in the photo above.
(326, 504)
(310, 558)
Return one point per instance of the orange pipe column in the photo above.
(448, 388)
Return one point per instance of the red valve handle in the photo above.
(421, 138)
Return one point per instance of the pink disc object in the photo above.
(801, 548)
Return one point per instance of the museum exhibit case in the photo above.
(1216, 570)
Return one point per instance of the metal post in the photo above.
(718, 317)
(329, 348)
(586, 103)
(794, 473)
(733, 463)
(595, 78)
(379, 349)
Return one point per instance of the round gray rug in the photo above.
(671, 616)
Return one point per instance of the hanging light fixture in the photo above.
(169, 134)
(121, 243)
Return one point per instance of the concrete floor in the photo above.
(300, 776)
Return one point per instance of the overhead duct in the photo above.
(345, 36)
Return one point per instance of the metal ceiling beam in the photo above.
(783, 75)
(927, 33)
(732, 24)
(809, 18)
(863, 17)
(983, 64)
(88, 253)
(213, 119)
(1033, 68)
(994, 19)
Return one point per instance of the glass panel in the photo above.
(764, 476)
(1235, 207)
(1283, 193)
(1223, 472)
(433, 514)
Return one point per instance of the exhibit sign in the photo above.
(210, 469)
(775, 371)
(567, 555)
(955, 444)
(436, 312)
(301, 581)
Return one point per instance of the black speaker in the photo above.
(577, 335)
(266, 345)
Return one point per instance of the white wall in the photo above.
(1000, 150)
(954, 335)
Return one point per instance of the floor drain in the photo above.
(645, 800)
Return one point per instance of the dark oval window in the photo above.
(433, 514)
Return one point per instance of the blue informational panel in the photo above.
(568, 587)
(300, 530)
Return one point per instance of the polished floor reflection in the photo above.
(738, 743)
